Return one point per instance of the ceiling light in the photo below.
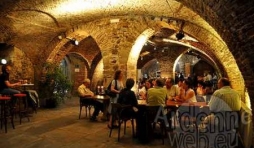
(3, 61)
(73, 41)
(114, 20)
(180, 35)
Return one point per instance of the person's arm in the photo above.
(113, 87)
(185, 97)
(8, 84)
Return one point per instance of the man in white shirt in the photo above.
(85, 93)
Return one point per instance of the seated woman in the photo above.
(200, 92)
(143, 90)
(187, 94)
(128, 97)
(6, 87)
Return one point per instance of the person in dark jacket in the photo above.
(6, 87)
(128, 97)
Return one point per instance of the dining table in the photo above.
(25, 85)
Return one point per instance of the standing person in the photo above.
(118, 81)
(172, 90)
(84, 91)
(6, 87)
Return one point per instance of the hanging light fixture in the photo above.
(3, 61)
(180, 35)
(73, 41)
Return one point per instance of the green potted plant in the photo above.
(54, 86)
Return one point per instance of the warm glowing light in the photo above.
(81, 6)
(3, 61)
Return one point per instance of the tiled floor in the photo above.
(61, 127)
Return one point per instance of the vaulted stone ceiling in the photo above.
(223, 28)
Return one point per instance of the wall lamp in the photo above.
(3, 61)
(72, 40)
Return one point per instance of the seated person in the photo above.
(143, 90)
(187, 94)
(6, 88)
(156, 96)
(172, 90)
(5, 85)
(224, 105)
(84, 92)
(200, 92)
(128, 97)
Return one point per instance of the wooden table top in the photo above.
(98, 97)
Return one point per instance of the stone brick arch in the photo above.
(223, 55)
(70, 34)
(86, 62)
(115, 40)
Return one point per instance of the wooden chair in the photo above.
(152, 112)
(119, 115)
(6, 111)
(87, 103)
(22, 106)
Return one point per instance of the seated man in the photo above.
(156, 96)
(225, 104)
(84, 91)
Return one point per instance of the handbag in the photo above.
(109, 92)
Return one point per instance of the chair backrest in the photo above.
(152, 112)
(85, 101)
(118, 109)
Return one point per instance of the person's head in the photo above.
(86, 82)
(169, 82)
(118, 75)
(201, 84)
(159, 82)
(223, 82)
(6, 68)
(186, 84)
(180, 82)
(149, 83)
(129, 83)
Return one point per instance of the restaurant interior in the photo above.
(142, 38)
